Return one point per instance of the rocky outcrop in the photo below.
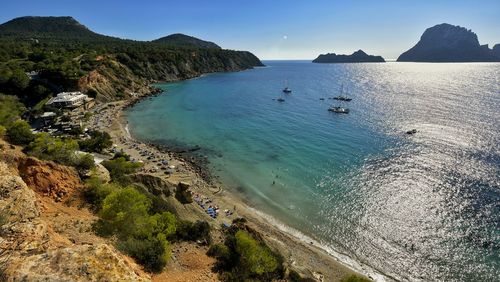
(109, 83)
(182, 193)
(449, 43)
(20, 211)
(34, 240)
(153, 184)
(356, 57)
(80, 263)
(48, 178)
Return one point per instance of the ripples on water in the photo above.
(424, 207)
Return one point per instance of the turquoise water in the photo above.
(425, 206)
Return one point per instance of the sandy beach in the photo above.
(302, 254)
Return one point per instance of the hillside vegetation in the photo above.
(68, 56)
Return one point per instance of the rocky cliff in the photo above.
(45, 240)
(449, 43)
(356, 57)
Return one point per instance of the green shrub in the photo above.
(187, 230)
(242, 258)
(87, 116)
(97, 191)
(121, 154)
(152, 253)
(160, 223)
(355, 278)
(19, 133)
(10, 109)
(85, 162)
(62, 151)
(50, 148)
(220, 251)
(118, 169)
(255, 257)
(3, 130)
(97, 142)
(124, 212)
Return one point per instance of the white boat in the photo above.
(339, 110)
(287, 89)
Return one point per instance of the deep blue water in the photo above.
(424, 207)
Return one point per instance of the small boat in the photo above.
(280, 100)
(339, 110)
(411, 132)
(322, 99)
(287, 89)
(342, 98)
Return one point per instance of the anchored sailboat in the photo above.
(287, 89)
(342, 97)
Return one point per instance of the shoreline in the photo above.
(307, 256)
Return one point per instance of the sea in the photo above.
(408, 207)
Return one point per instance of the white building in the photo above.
(69, 100)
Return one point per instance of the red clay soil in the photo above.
(49, 179)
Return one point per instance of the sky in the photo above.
(275, 29)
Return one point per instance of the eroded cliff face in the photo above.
(112, 81)
(122, 76)
(45, 240)
(49, 179)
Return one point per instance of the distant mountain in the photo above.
(49, 27)
(449, 43)
(182, 40)
(356, 57)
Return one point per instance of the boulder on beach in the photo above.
(182, 193)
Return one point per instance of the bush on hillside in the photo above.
(98, 142)
(189, 231)
(152, 253)
(255, 257)
(59, 150)
(119, 168)
(355, 278)
(55, 149)
(125, 214)
(85, 162)
(10, 109)
(242, 257)
(19, 133)
(97, 191)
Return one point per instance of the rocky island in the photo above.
(449, 43)
(356, 57)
